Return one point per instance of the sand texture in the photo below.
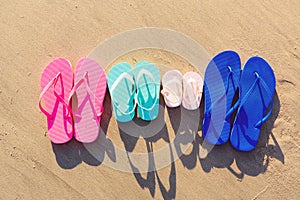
(35, 32)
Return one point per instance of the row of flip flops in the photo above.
(129, 89)
(140, 87)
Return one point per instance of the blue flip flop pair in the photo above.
(129, 89)
(256, 85)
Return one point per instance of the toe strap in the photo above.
(260, 83)
(85, 80)
(53, 83)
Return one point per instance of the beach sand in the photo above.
(35, 32)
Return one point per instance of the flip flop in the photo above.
(220, 85)
(192, 90)
(172, 88)
(90, 89)
(257, 87)
(56, 84)
(122, 90)
(147, 79)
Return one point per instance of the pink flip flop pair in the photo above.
(83, 118)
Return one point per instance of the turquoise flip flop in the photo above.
(147, 79)
(122, 90)
(257, 87)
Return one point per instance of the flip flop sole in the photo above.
(87, 126)
(148, 89)
(192, 103)
(217, 97)
(60, 129)
(172, 88)
(123, 91)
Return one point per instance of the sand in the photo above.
(35, 32)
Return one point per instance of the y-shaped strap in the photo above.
(235, 85)
(141, 73)
(132, 96)
(53, 83)
(258, 81)
(267, 89)
(85, 80)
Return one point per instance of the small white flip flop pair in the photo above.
(186, 89)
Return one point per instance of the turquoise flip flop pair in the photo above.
(130, 88)
(256, 86)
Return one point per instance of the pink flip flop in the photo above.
(56, 84)
(90, 89)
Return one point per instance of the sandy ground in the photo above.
(35, 32)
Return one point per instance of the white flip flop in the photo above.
(172, 88)
(192, 90)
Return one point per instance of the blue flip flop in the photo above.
(147, 79)
(257, 87)
(220, 85)
(122, 89)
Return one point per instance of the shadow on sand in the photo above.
(152, 175)
(249, 163)
(73, 153)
